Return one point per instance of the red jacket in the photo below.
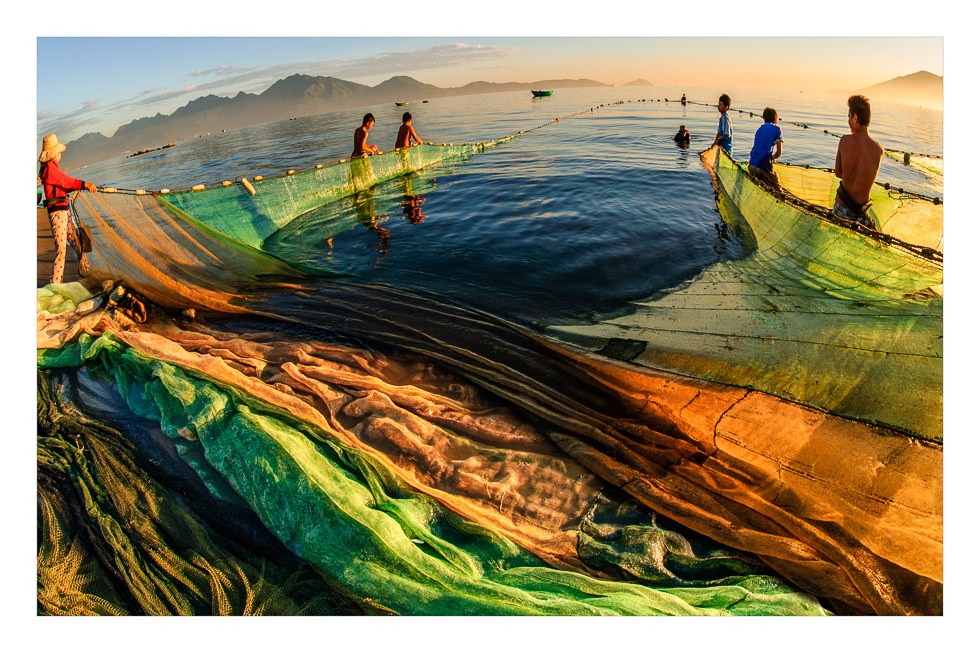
(57, 184)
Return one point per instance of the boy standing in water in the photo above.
(406, 133)
(360, 138)
(767, 137)
(858, 160)
(724, 137)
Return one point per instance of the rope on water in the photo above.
(758, 114)
(244, 180)
(484, 145)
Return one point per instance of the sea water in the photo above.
(573, 220)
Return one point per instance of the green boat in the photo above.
(401, 104)
(542, 93)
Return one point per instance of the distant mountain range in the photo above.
(292, 97)
(639, 82)
(920, 89)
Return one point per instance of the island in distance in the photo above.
(922, 89)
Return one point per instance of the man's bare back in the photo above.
(858, 160)
(406, 133)
(361, 145)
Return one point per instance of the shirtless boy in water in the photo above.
(360, 138)
(858, 160)
(406, 133)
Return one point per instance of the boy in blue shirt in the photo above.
(767, 137)
(724, 137)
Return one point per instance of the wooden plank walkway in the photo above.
(45, 253)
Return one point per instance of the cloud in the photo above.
(168, 95)
(232, 79)
(222, 71)
(440, 56)
(90, 112)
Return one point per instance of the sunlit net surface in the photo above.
(420, 457)
(817, 313)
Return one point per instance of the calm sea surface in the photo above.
(565, 222)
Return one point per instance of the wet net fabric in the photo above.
(817, 313)
(182, 423)
(417, 457)
(909, 217)
(205, 248)
(281, 413)
(120, 535)
(929, 164)
(279, 199)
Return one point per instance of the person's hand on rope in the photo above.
(89, 186)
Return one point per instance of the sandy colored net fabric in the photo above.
(844, 510)
(343, 506)
(911, 218)
(204, 248)
(817, 313)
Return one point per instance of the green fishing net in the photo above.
(353, 536)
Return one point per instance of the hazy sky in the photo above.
(133, 77)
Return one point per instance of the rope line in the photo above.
(758, 114)
(789, 198)
(828, 215)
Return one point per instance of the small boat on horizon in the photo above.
(542, 93)
(401, 104)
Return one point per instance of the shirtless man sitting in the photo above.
(360, 138)
(858, 160)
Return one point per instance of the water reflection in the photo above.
(411, 202)
(364, 209)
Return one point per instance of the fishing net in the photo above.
(432, 459)
(929, 164)
(818, 313)
(203, 248)
(280, 411)
(906, 216)
(115, 539)
(332, 491)
(281, 198)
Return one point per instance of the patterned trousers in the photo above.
(64, 233)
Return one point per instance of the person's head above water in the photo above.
(406, 117)
(682, 129)
(368, 119)
(859, 107)
(769, 115)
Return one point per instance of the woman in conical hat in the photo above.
(56, 187)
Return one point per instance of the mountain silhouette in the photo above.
(292, 97)
(921, 89)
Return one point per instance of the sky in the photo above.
(134, 77)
